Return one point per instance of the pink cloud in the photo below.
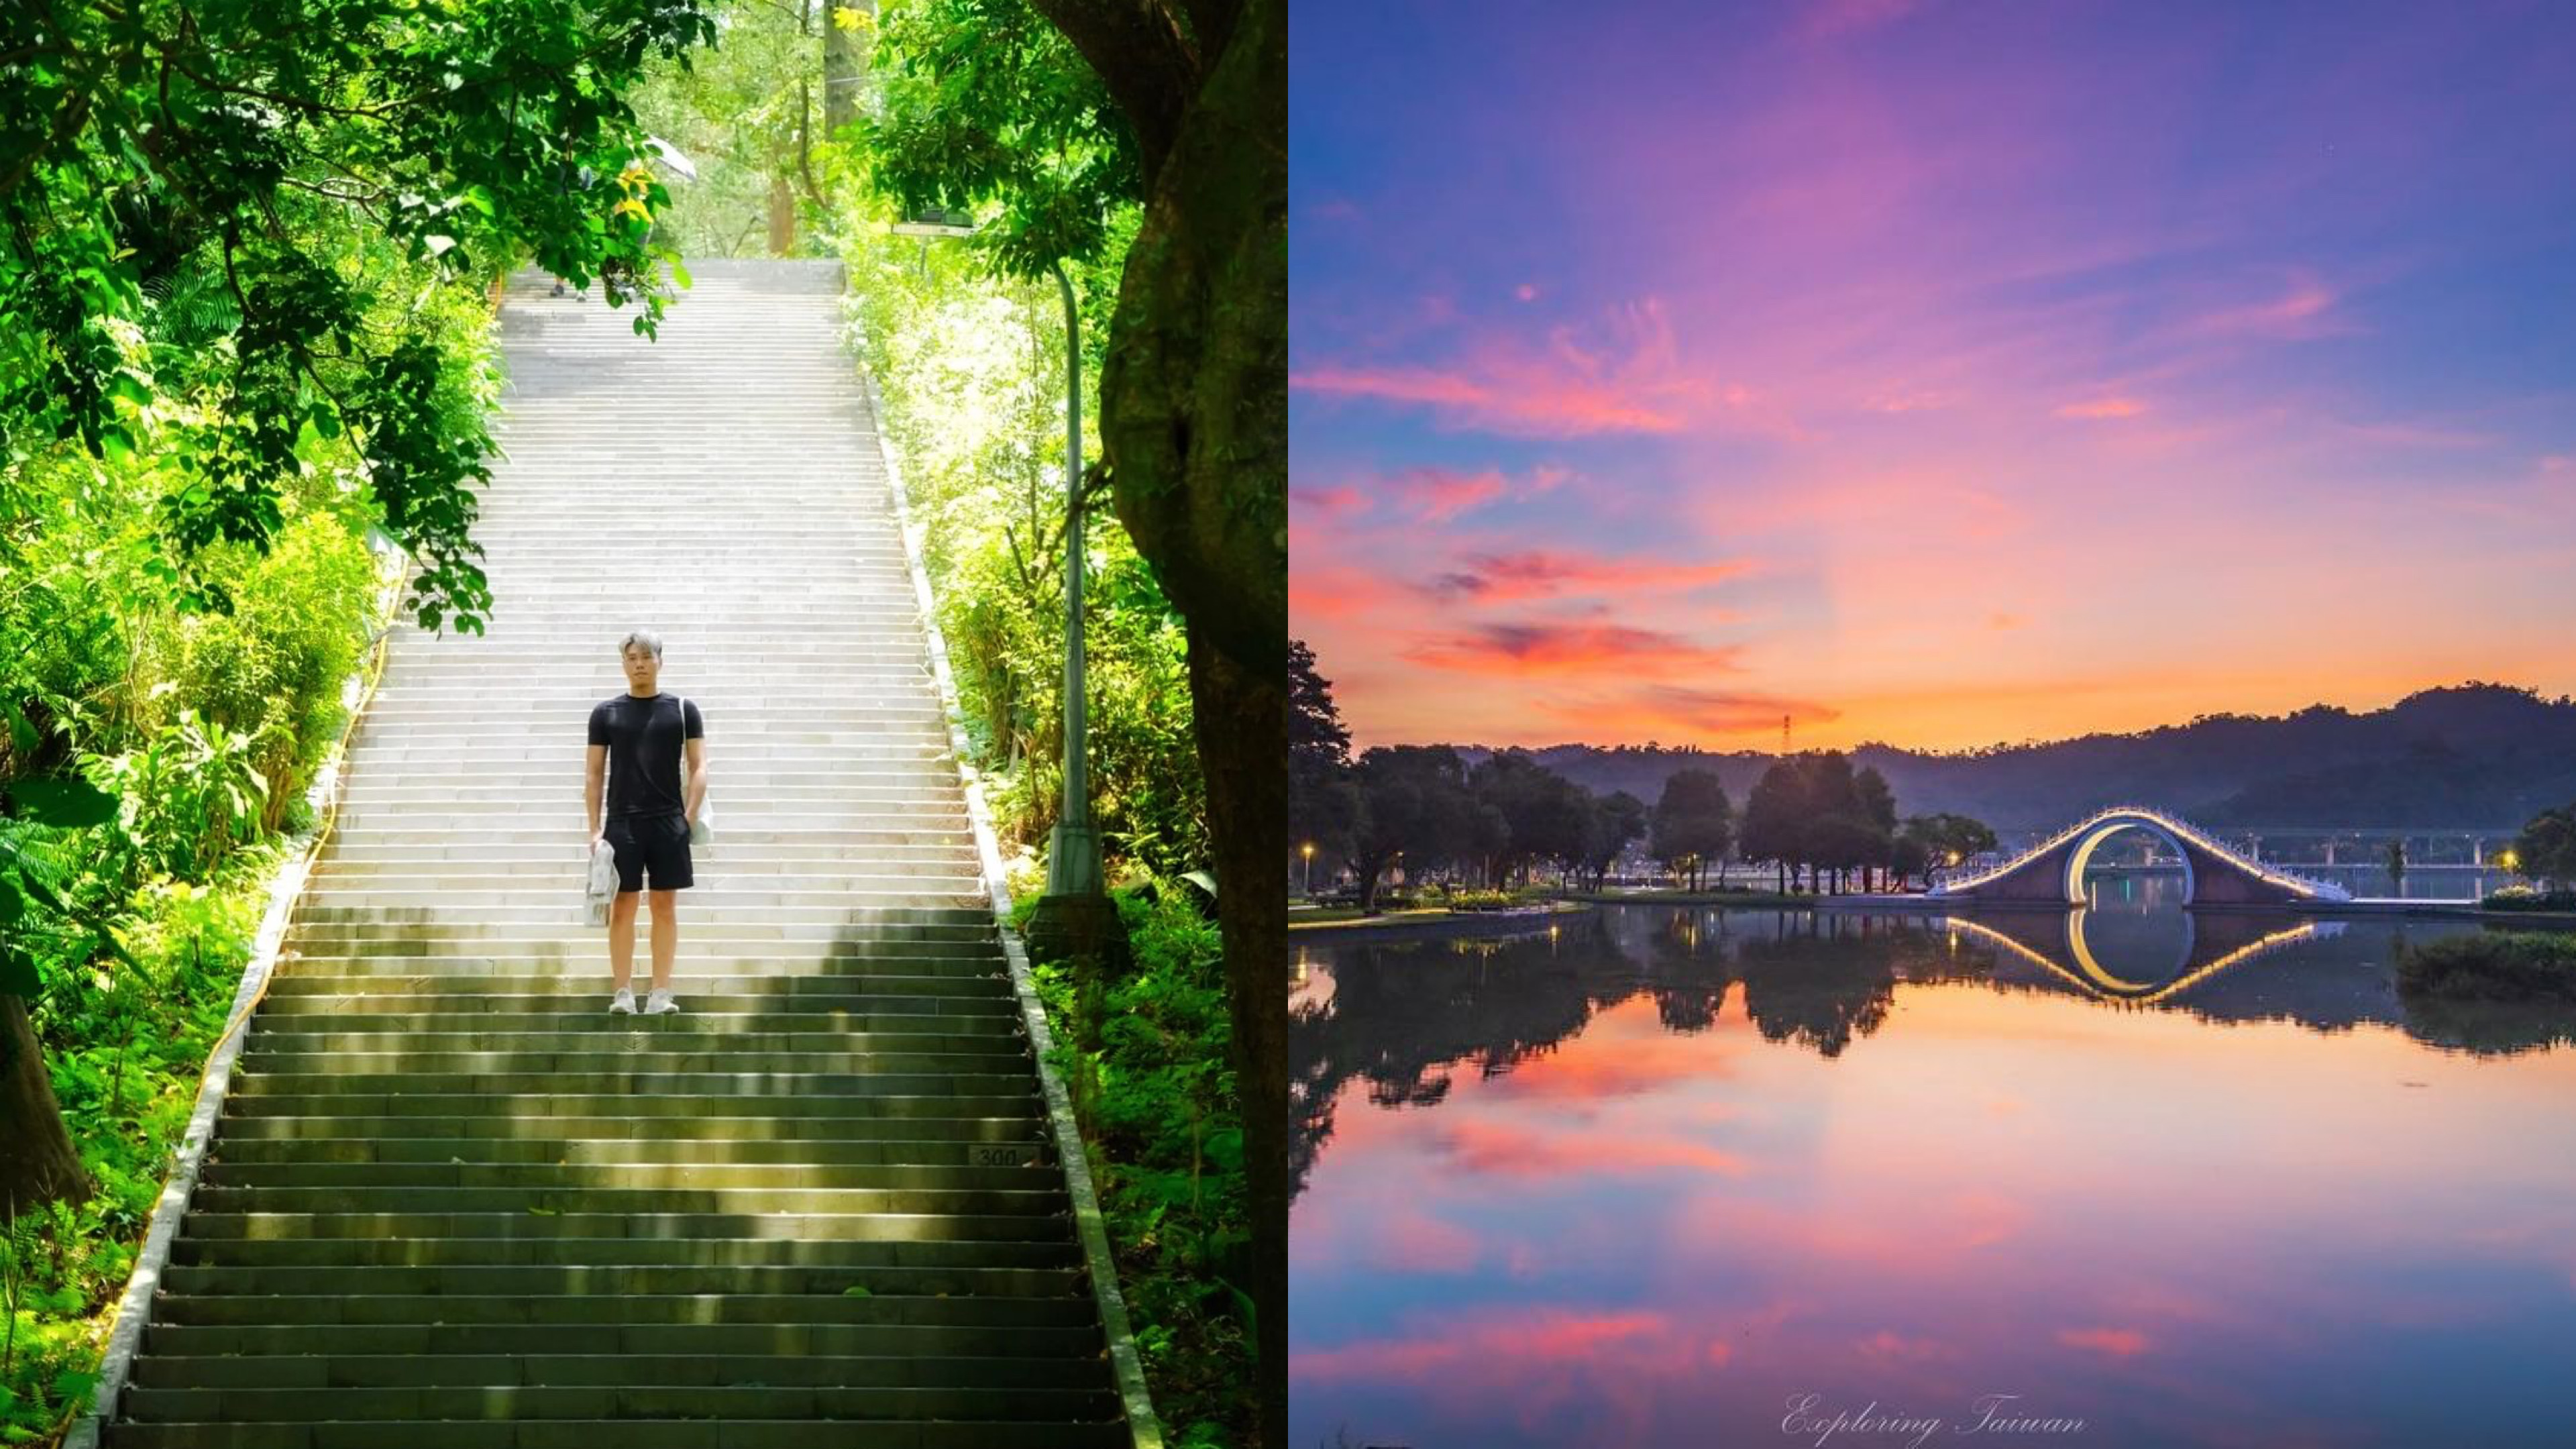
(1548, 648)
(1325, 591)
(2108, 407)
(1888, 1346)
(1657, 711)
(2111, 1342)
(1440, 494)
(1339, 501)
(1540, 573)
(1632, 382)
(1494, 1348)
(1416, 1242)
(1486, 1148)
(2306, 308)
(1526, 292)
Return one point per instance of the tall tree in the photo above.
(1323, 800)
(1617, 819)
(1694, 822)
(38, 1163)
(1542, 812)
(1775, 820)
(1194, 423)
(1194, 433)
(1414, 803)
(2545, 850)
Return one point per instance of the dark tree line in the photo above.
(1508, 818)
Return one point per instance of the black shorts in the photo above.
(655, 845)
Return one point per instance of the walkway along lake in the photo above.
(1659, 1176)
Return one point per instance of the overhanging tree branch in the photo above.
(1141, 55)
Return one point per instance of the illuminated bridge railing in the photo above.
(2198, 835)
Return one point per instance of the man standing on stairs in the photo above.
(638, 742)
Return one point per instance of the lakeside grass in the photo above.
(2493, 966)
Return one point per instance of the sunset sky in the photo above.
(1936, 373)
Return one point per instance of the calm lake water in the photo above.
(1660, 1177)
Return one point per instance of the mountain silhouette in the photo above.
(2477, 755)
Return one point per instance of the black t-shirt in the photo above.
(644, 751)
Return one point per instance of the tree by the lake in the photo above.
(1323, 799)
(2545, 848)
(1615, 820)
(1774, 821)
(1693, 824)
(1544, 815)
(1414, 803)
(1812, 812)
(1939, 840)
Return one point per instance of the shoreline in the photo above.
(2437, 909)
(1433, 924)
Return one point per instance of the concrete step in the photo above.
(588, 1279)
(646, 1099)
(621, 1152)
(626, 1433)
(854, 1255)
(1020, 1124)
(911, 828)
(688, 1039)
(723, 990)
(283, 1309)
(847, 1226)
(749, 1370)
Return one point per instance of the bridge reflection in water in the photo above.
(2207, 1178)
(2139, 957)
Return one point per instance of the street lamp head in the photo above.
(1307, 850)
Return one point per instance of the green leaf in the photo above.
(70, 1386)
(18, 974)
(63, 804)
(13, 904)
(854, 1291)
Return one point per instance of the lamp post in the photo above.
(1074, 918)
(1308, 850)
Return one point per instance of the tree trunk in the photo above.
(782, 212)
(1241, 719)
(1194, 433)
(845, 60)
(37, 1162)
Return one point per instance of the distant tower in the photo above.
(1784, 734)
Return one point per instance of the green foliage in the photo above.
(2545, 850)
(972, 372)
(189, 794)
(221, 227)
(987, 108)
(2495, 992)
(125, 1043)
(2524, 898)
(1160, 1115)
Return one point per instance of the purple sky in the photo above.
(1932, 372)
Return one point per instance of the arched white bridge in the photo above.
(2213, 872)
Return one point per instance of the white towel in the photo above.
(602, 886)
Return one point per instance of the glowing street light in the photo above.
(1308, 850)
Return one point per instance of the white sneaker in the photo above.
(623, 1003)
(659, 1003)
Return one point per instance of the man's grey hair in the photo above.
(646, 637)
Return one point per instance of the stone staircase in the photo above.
(452, 1202)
